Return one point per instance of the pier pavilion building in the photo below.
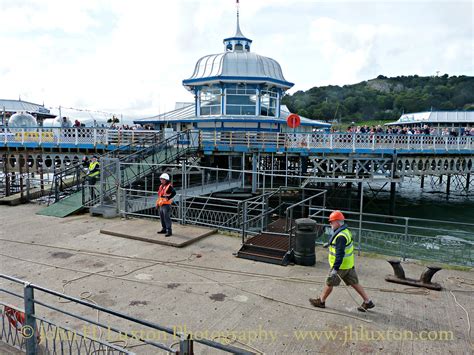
(10, 107)
(457, 121)
(236, 90)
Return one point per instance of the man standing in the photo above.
(93, 174)
(341, 261)
(165, 194)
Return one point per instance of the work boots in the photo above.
(317, 302)
(365, 306)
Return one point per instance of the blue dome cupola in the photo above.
(238, 42)
(237, 83)
(235, 90)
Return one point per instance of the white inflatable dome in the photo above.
(22, 120)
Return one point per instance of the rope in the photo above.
(347, 290)
(284, 302)
(461, 281)
(259, 276)
(233, 339)
(467, 315)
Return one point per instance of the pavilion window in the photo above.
(268, 103)
(241, 100)
(210, 101)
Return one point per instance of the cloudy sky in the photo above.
(129, 57)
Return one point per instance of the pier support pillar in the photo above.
(349, 194)
(6, 174)
(359, 191)
(304, 165)
(422, 185)
(468, 178)
(393, 187)
(448, 186)
(254, 172)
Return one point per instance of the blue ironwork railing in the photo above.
(337, 142)
(301, 141)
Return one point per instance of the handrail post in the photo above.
(182, 208)
(186, 345)
(29, 329)
(244, 220)
(56, 188)
(405, 238)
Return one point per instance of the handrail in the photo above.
(31, 301)
(347, 141)
(78, 169)
(338, 141)
(175, 141)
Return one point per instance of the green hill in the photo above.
(384, 98)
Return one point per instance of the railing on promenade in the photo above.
(337, 141)
(32, 329)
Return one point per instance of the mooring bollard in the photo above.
(424, 281)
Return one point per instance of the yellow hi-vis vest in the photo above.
(92, 167)
(348, 261)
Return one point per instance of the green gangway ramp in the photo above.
(73, 202)
(64, 207)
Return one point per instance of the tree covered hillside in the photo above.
(384, 98)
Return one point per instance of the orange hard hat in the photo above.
(336, 216)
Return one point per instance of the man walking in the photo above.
(341, 261)
(165, 194)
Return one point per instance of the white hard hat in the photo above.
(165, 176)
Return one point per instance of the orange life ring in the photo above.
(15, 318)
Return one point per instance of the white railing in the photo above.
(337, 141)
(259, 140)
(74, 136)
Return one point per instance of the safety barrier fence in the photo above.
(306, 205)
(32, 329)
(405, 237)
(221, 213)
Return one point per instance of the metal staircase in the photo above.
(123, 172)
(72, 197)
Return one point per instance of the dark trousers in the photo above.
(165, 218)
(91, 181)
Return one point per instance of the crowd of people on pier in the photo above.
(425, 129)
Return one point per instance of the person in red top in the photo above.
(165, 194)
